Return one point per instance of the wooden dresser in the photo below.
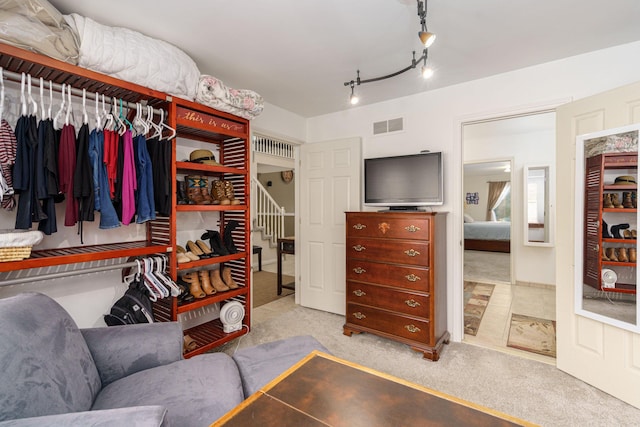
(396, 278)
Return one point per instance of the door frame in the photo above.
(455, 294)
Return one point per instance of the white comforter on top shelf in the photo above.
(134, 57)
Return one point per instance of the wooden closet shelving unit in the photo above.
(229, 136)
(157, 239)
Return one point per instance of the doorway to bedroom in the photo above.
(505, 277)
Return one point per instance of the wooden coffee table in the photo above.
(323, 390)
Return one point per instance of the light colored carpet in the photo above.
(482, 266)
(532, 334)
(534, 391)
(265, 287)
(476, 299)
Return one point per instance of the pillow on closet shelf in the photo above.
(468, 218)
(241, 102)
(135, 57)
(37, 26)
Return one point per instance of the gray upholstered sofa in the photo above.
(52, 373)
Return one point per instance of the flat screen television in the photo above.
(404, 182)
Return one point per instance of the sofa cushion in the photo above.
(262, 363)
(195, 391)
(45, 365)
(139, 416)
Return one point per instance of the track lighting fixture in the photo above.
(426, 39)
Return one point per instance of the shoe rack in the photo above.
(610, 233)
(227, 136)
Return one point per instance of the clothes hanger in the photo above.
(61, 109)
(50, 99)
(98, 118)
(69, 113)
(23, 100)
(160, 272)
(1, 93)
(110, 123)
(119, 125)
(157, 128)
(126, 123)
(166, 126)
(161, 290)
(153, 296)
(85, 116)
(44, 113)
(34, 104)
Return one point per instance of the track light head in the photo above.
(353, 99)
(426, 38)
(427, 72)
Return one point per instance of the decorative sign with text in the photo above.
(208, 121)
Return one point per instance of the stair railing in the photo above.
(269, 216)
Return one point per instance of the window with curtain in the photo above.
(499, 201)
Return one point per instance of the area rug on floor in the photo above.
(476, 299)
(533, 334)
(265, 287)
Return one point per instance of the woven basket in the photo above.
(15, 254)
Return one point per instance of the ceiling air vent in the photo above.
(386, 126)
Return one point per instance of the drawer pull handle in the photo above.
(412, 252)
(412, 228)
(359, 293)
(412, 277)
(359, 270)
(359, 248)
(359, 226)
(412, 328)
(412, 303)
(359, 315)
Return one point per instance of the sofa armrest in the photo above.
(119, 351)
(138, 416)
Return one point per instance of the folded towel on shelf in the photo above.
(135, 57)
(240, 102)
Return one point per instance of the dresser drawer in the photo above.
(388, 299)
(414, 278)
(394, 226)
(391, 251)
(391, 323)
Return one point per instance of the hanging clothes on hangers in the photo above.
(48, 189)
(129, 180)
(83, 179)
(27, 176)
(66, 168)
(8, 146)
(145, 203)
(103, 204)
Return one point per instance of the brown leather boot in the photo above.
(205, 283)
(230, 193)
(217, 282)
(615, 200)
(204, 189)
(191, 279)
(217, 189)
(626, 200)
(632, 255)
(622, 255)
(226, 276)
(606, 200)
(604, 255)
(611, 254)
(194, 192)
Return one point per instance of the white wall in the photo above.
(433, 121)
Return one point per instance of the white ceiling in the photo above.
(298, 53)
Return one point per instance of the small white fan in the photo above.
(609, 278)
(231, 316)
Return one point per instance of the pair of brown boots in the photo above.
(619, 254)
(209, 282)
(222, 192)
(612, 200)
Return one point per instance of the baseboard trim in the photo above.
(536, 285)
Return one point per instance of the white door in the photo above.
(329, 186)
(600, 354)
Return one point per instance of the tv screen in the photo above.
(404, 182)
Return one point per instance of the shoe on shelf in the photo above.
(204, 190)
(204, 248)
(182, 258)
(193, 283)
(606, 200)
(189, 254)
(205, 282)
(184, 296)
(228, 238)
(228, 280)
(622, 255)
(194, 191)
(189, 344)
(218, 191)
(230, 193)
(632, 255)
(195, 249)
(611, 254)
(217, 282)
(215, 242)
